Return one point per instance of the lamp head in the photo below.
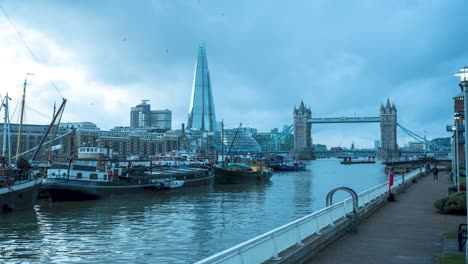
(457, 116)
(463, 74)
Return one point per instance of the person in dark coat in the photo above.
(435, 172)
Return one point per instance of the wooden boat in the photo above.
(19, 187)
(94, 175)
(254, 171)
(19, 180)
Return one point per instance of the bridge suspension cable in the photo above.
(421, 139)
(290, 129)
(278, 137)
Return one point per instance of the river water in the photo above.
(180, 227)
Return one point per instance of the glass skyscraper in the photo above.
(202, 113)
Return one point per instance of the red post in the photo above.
(390, 181)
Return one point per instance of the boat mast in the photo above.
(222, 141)
(59, 113)
(235, 135)
(6, 128)
(18, 146)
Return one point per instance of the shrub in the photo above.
(454, 203)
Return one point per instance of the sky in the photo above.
(341, 58)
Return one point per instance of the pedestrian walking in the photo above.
(428, 168)
(435, 172)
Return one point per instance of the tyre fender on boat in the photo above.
(8, 182)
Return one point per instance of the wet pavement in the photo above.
(409, 230)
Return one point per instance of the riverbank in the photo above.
(409, 230)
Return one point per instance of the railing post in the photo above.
(317, 232)
(403, 183)
(299, 237)
(276, 256)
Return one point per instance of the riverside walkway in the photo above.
(408, 230)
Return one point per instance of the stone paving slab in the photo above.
(408, 230)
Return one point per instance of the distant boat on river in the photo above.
(94, 175)
(252, 171)
(241, 171)
(291, 166)
(349, 160)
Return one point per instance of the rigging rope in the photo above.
(26, 45)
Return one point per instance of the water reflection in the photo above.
(16, 233)
(180, 227)
(302, 192)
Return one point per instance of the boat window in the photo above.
(79, 175)
(105, 177)
(93, 176)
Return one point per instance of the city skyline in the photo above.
(265, 58)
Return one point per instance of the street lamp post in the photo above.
(457, 117)
(452, 145)
(463, 74)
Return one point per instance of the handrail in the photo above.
(270, 244)
(355, 197)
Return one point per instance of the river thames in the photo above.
(179, 227)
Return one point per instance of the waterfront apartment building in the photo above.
(141, 116)
(415, 145)
(31, 136)
(124, 141)
(202, 112)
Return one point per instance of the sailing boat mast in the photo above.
(5, 128)
(18, 146)
(222, 142)
(232, 143)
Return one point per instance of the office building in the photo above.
(141, 116)
(202, 113)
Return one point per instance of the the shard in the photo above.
(202, 113)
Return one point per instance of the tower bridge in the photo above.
(344, 119)
(303, 130)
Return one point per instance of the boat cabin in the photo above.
(94, 153)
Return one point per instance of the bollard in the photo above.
(391, 197)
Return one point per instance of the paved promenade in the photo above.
(406, 231)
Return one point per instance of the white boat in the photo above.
(93, 174)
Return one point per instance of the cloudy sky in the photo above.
(342, 58)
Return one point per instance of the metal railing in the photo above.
(270, 244)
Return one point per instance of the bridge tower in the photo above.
(388, 132)
(302, 133)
